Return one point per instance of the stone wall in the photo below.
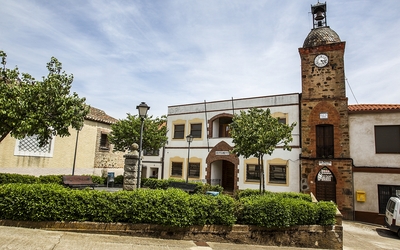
(309, 236)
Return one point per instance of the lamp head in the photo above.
(189, 138)
(143, 108)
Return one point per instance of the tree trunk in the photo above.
(260, 174)
(263, 173)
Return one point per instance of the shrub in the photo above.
(213, 210)
(99, 180)
(119, 179)
(326, 213)
(264, 210)
(155, 183)
(56, 179)
(17, 178)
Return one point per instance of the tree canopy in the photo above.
(127, 131)
(45, 107)
(256, 133)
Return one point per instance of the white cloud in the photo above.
(174, 52)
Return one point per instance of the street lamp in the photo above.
(189, 139)
(142, 108)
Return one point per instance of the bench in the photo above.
(78, 181)
(188, 187)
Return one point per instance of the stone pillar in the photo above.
(131, 168)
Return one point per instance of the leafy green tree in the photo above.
(44, 108)
(127, 131)
(256, 133)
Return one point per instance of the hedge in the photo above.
(53, 202)
(6, 178)
(279, 210)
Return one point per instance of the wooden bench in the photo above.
(78, 181)
(188, 187)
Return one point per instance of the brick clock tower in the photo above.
(326, 167)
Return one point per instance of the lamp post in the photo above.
(142, 108)
(189, 139)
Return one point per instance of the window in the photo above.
(224, 130)
(179, 131)
(194, 170)
(29, 146)
(153, 152)
(104, 143)
(252, 172)
(387, 139)
(195, 130)
(277, 174)
(282, 120)
(176, 169)
(324, 141)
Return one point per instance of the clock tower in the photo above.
(326, 167)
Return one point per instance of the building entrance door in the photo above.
(228, 176)
(325, 185)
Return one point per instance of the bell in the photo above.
(319, 16)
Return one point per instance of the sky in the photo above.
(173, 52)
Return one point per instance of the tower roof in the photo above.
(321, 36)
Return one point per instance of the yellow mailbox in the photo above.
(360, 196)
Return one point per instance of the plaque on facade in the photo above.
(221, 152)
(325, 163)
(323, 115)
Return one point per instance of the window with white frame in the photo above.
(29, 146)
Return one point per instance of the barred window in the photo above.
(252, 172)
(176, 169)
(29, 146)
(277, 174)
(194, 170)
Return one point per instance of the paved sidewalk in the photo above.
(14, 238)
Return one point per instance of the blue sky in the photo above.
(171, 52)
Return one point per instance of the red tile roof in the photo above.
(374, 108)
(99, 115)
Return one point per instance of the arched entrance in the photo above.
(325, 183)
(222, 167)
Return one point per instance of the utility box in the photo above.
(110, 178)
(361, 197)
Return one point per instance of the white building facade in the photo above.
(375, 150)
(209, 154)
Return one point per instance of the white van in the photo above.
(392, 216)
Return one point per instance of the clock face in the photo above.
(321, 60)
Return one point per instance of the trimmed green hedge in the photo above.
(6, 178)
(53, 202)
(284, 210)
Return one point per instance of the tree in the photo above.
(256, 133)
(44, 108)
(127, 131)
